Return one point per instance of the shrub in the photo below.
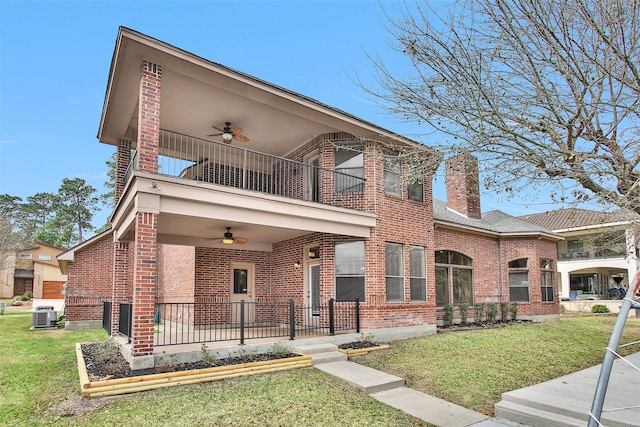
(492, 309)
(207, 357)
(447, 317)
(504, 311)
(464, 311)
(600, 308)
(513, 309)
(478, 313)
(279, 351)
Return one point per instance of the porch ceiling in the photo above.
(197, 215)
(197, 94)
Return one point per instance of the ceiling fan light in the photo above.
(228, 237)
(227, 136)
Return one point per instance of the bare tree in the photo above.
(542, 90)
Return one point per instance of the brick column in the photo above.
(123, 158)
(145, 276)
(149, 116)
(121, 291)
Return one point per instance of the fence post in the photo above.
(358, 315)
(332, 322)
(292, 320)
(241, 322)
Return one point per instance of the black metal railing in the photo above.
(204, 160)
(199, 322)
(106, 316)
(124, 319)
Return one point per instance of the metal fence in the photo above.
(106, 316)
(208, 161)
(198, 322)
(124, 319)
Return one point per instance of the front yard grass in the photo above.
(39, 381)
(473, 368)
(39, 385)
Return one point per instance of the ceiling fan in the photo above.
(229, 133)
(228, 238)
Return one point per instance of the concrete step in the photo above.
(334, 356)
(316, 348)
(534, 417)
(366, 379)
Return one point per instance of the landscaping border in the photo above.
(111, 387)
(362, 351)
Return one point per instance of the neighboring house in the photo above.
(599, 253)
(303, 206)
(33, 271)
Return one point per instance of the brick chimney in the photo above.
(463, 185)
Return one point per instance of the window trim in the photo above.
(454, 261)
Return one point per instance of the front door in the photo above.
(242, 289)
(22, 286)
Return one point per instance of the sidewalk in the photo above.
(564, 401)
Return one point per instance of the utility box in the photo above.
(3, 307)
(44, 319)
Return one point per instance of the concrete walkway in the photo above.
(390, 389)
(561, 402)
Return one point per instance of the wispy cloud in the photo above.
(7, 141)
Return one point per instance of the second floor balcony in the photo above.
(201, 187)
(203, 161)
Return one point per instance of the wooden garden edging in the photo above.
(363, 351)
(169, 379)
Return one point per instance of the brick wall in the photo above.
(90, 280)
(463, 186)
(176, 273)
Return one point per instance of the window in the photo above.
(415, 189)
(392, 174)
(349, 167)
(349, 270)
(519, 280)
(417, 273)
(546, 279)
(458, 267)
(44, 257)
(24, 256)
(240, 283)
(442, 286)
(394, 262)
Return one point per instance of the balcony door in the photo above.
(312, 177)
(242, 289)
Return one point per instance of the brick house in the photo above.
(303, 210)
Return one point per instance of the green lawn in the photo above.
(39, 382)
(39, 385)
(473, 368)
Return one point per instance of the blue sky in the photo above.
(55, 57)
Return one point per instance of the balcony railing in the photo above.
(200, 322)
(590, 254)
(203, 160)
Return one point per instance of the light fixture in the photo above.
(228, 237)
(297, 264)
(227, 135)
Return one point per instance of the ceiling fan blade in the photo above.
(217, 128)
(241, 138)
(236, 131)
(240, 240)
(215, 134)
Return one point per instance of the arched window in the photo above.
(454, 278)
(519, 280)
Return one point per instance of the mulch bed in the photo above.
(103, 360)
(357, 345)
(475, 326)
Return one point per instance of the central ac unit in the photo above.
(44, 319)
